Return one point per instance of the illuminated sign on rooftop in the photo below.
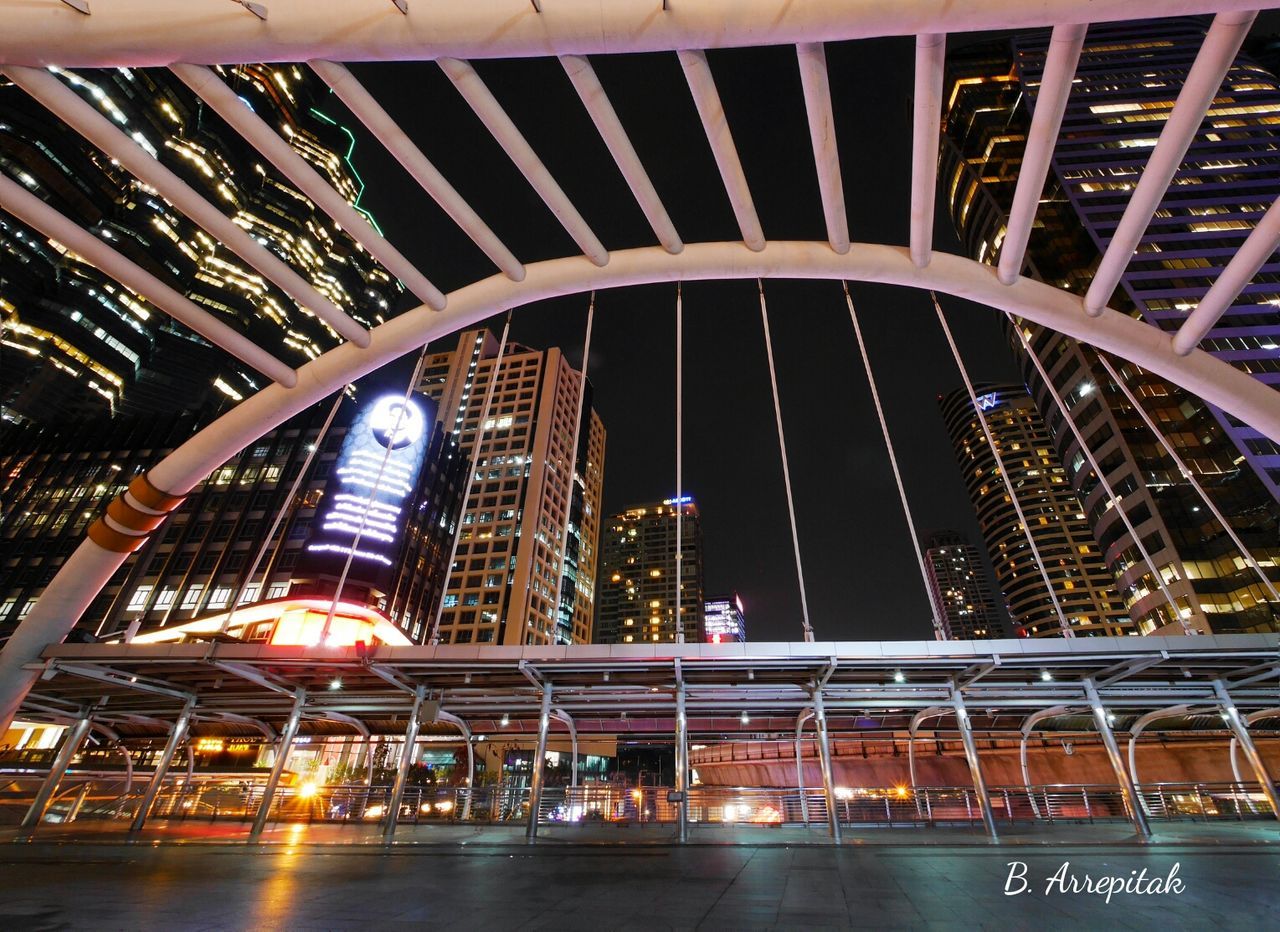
(988, 401)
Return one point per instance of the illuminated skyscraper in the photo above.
(54, 479)
(723, 620)
(1128, 78)
(530, 486)
(959, 585)
(638, 593)
(75, 342)
(1070, 555)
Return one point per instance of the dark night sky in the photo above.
(861, 576)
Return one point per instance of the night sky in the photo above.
(861, 576)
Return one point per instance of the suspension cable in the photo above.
(679, 464)
(1189, 476)
(1004, 475)
(1116, 500)
(377, 487)
(434, 633)
(786, 469)
(573, 462)
(938, 629)
(286, 505)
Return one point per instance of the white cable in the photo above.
(1097, 471)
(573, 461)
(1004, 475)
(786, 469)
(280, 513)
(938, 629)
(1189, 476)
(679, 623)
(494, 375)
(369, 503)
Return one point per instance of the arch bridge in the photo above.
(193, 37)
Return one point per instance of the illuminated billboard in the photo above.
(372, 488)
(723, 620)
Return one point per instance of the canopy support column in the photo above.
(824, 755)
(1130, 793)
(975, 765)
(682, 765)
(176, 737)
(70, 745)
(1241, 732)
(287, 734)
(406, 761)
(539, 765)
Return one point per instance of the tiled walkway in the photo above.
(309, 881)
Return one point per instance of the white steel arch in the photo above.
(91, 566)
(158, 32)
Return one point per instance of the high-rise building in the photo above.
(531, 491)
(639, 598)
(1128, 78)
(55, 480)
(75, 342)
(724, 620)
(960, 588)
(1069, 554)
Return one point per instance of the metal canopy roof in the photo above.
(619, 689)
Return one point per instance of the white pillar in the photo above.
(406, 760)
(1127, 790)
(287, 735)
(682, 766)
(975, 766)
(62, 760)
(824, 755)
(1241, 731)
(538, 764)
(176, 737)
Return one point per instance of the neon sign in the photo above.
(371, 491)
(988, 401)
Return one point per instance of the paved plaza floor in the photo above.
(310, 878)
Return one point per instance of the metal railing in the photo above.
(215, 797)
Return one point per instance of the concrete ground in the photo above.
(315, 877)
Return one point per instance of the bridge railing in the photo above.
(216, 797)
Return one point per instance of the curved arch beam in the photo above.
(465, 729)
(91, 565)
(158, 32)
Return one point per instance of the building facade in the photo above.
(1128, 78)
(1058, 526)
(639, 596)
(77, 343)
(958, 583)
(724, 620)
(531, 524)
(55, 482)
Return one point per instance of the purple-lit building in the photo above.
(1128, 78)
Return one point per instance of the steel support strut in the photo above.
(682, 766)
(70, 745)
(804, 716)
(406, 761)
(287, 734)
(176, 737)
(975, 765)
(1241, 732)
(824, 755)
(1132, 801)
(539, 765)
